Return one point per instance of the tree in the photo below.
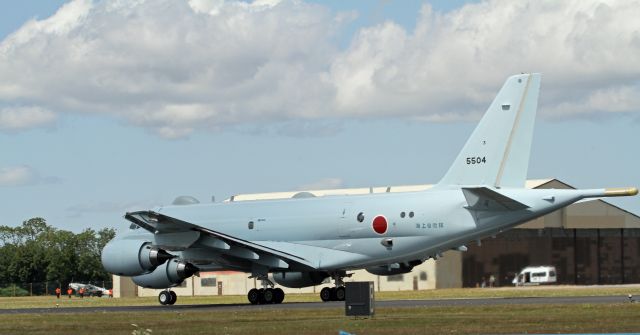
(36, 252)
(61, 256)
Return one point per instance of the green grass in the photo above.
(495, 319)
(429, 320)
(555, 291)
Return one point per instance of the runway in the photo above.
(312, 305)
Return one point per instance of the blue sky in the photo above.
(339, 97)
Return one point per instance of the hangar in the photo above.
(589, 243)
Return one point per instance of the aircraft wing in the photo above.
(269, 254)
(158, 223)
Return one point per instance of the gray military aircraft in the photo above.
(305, 240)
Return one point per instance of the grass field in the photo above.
(497, 319)
(432, 320)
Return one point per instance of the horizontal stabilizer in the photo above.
(486, 199)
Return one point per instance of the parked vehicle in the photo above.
(536, 275)
(90, 290)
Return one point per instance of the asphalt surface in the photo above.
(312, 305)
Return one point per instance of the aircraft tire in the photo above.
(325, 294)
(333, 294)
(261, 296)
(268, 296)
(164, 297)
(340, 293)
(279, 295)
(253, 296)
(174, 297)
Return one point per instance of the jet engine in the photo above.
(132, 257)
(169, 274)
(393, 269)
(299, 279)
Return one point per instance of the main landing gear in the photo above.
(167, 297)
(332, 294)
(267, 294)
(335, 293)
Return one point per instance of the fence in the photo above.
(43, 288)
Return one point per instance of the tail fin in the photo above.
(497, 153)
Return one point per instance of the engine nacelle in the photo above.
(169, 274)
(390, 270)
(299, 279)
(132, 257)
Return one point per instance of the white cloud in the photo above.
(452, 64)
(79, 210)
(616, 99)
(20, 118)
(16, 176)
(176, 67)
(23, 175)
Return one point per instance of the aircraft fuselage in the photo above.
(420, 224)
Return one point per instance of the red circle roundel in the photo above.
(379, 224)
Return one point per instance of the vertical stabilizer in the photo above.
(497, 153)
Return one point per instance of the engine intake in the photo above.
(132, 257)
(170, 274)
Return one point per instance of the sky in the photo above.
(113, 106)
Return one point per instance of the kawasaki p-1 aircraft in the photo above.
(304, 240)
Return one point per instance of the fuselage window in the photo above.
(250, 224)
(360, 217)
(402, 215)
(410, 214)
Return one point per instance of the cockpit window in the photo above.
(134, 226)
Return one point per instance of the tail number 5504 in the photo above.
(476, 160)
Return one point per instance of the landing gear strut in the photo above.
(167, 297)
(334, 293)
(267, 294)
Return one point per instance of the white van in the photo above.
(536, 275)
